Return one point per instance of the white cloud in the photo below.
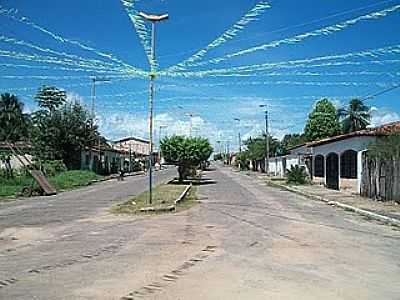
(382, 116)
(120, 125)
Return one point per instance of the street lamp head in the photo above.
(100, 79)
(237, 119)
(154, 18)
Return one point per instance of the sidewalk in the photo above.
(387, 212)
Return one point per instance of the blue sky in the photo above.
(214, 101)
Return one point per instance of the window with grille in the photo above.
(319, 169)
(348, 164)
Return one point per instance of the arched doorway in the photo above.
(332, 171)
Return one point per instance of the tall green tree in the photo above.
(13, 122)
(256, 147)
(50, 98)
(387, 148)
(63, 134)
(185, 152)
(292, 140)
(322, 122)
(356, 116)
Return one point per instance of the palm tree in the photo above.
(355, 117)
(13, 122)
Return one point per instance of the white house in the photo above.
(136, 146)
(337, 161)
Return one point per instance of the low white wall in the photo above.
(15, 163)
(276, 166)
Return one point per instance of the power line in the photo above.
(381, 92)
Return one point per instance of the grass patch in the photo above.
(72, 179)
(163, 196)
(10, 187)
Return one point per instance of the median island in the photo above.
(164, 198)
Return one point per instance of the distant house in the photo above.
(104, 160)
(138, 147)
(337, 161)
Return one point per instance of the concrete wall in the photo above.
(277, 164)
(350, 185)
(318, 180)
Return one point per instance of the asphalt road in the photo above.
(244, 241)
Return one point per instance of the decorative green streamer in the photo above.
(325, 31)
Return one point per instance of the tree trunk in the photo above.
(181, 173)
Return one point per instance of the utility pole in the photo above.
(266, 139)
(191, 124)
(153, 73)
(93, 107)
(219, 147)
(239, 137)
(159, 143)
(93, 113)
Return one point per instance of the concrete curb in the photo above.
(159, 209)
(168, 208)
(183, 195)
(111, 177)
(385, 219)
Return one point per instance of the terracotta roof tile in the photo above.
(386, 129)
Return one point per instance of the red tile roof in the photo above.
(386, 129)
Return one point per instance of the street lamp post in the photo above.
(190, 115)
(153, 19)
(266, 139)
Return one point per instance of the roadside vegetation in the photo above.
(296, 175)
(11, 187)
(53, 138)
(164, 196)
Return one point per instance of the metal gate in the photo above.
(332, 171)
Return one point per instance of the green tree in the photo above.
(243, 160)
(63, 134)
(322, 122)
(50, 98)
(186, 153)
(13, 122)
(386, 148)
(290, 141)
(356, 116)
(256, 147)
